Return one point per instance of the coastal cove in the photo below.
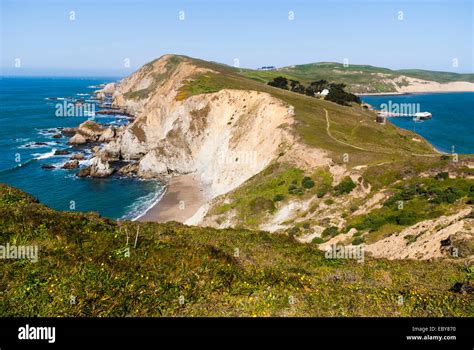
(29, 142)
(30, 137)
(452, 121)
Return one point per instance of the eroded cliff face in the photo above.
(224, 137)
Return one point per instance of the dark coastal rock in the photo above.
(84, 172)
(129, 169)
(71, 165)
(68, 131)
(57, 136)
(77, 156)
(41, 143)
(47, 166)
(61, 152)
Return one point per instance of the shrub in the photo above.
(358, 240)
(317, 240)
(406, 218)
(293, 231)
(442, 176)
(278, 198)
(345, 186)
(321, 192)
(294, 189)
(279, 82)
(330, 231)
(307, 182)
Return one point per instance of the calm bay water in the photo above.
(452, 123)
(26, 117)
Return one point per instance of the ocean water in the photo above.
(26, 117)
(452, 123)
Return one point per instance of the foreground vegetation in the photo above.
(113, 268)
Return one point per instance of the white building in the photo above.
(324, 92)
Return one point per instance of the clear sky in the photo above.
(106, 34)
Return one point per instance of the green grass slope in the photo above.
(175, 270)
(358, 78)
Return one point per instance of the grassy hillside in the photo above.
(358, 78)
(176, 270)
(352, 130)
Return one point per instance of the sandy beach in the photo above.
(183, 197)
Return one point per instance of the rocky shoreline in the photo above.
(93, 136)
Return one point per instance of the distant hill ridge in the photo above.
(371, 79)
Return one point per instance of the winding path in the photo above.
(328, 124)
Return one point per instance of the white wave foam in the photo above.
(47, 155)
(48, 132)
(33, 145)
(143, 204)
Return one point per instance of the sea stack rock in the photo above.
(71, 165)
(100, 168)
(77, 156)
(129, 169)
(84, 172)
(47, 166)
(77, 139)
(68, 131)
(107, 135)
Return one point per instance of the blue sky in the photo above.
(107, 32)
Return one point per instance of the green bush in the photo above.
(294, 189)
(321, 192)
(345, 186)
(358, 240)
(278, 198)
(317, 240)
(442, 176)
(330, 231)
(307, 182)
(406, 218)
(293, 231)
